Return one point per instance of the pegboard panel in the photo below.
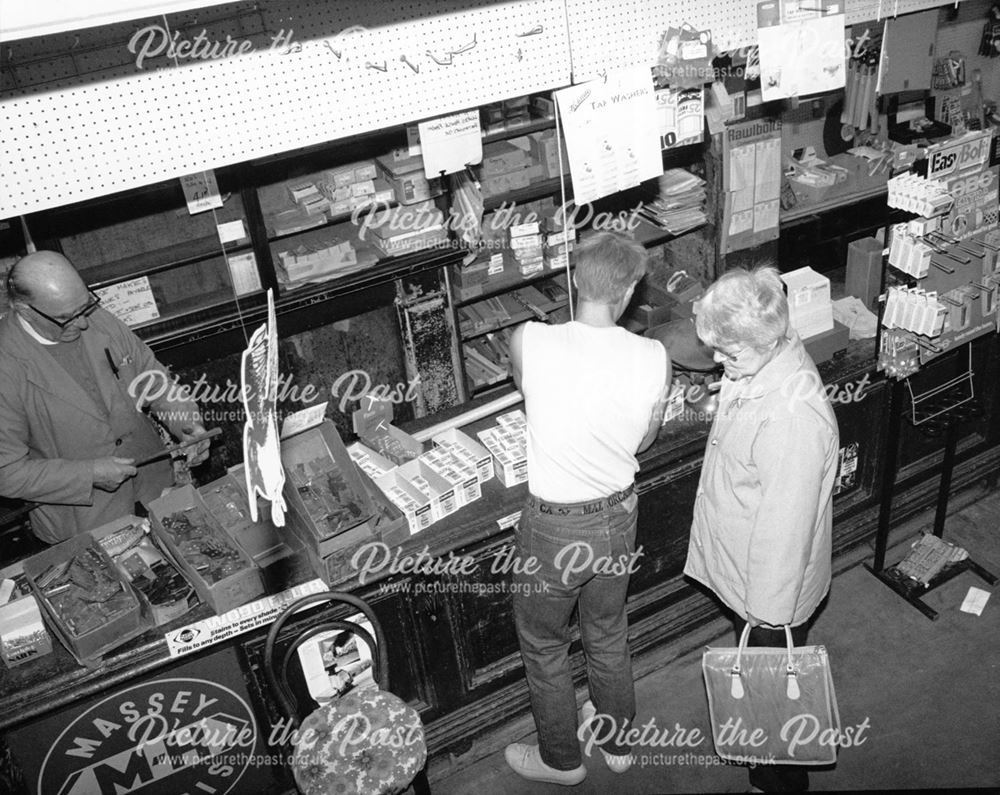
(338, 69)
(613, 34)
(964, 35)
(869, 10)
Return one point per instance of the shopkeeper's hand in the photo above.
(110, 473)
(196, 453)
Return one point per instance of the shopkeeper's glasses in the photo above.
(87, 311)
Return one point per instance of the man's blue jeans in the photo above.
(583, 559)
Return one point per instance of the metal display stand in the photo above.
(949, 406)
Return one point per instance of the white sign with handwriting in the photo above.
(450, 143)
(201, 191)
(132, 302)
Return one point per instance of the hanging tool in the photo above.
(864, 97)
(849, 89)
(873, 126)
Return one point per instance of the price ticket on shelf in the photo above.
(201, 191)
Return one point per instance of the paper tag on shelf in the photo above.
(201, 191)
(413, 140)
(132, 302)
(243, 270)
(232, 231)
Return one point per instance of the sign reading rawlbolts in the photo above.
(164, 736)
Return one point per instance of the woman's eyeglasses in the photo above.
(732, 358)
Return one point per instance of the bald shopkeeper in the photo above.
(70, 432)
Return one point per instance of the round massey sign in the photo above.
(166, 736)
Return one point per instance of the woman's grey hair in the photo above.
(743, 308)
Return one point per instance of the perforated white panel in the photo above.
(611, 34)
(324, 82)
(866, 10)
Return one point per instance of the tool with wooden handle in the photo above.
(166, 452)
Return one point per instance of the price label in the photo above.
(201, 191)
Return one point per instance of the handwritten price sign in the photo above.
(201, 191)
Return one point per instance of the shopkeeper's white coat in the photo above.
(51, 430)
(763, 515)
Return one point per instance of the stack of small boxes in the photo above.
(544, 150)
(526, 244)
(433, 485)
(308, 198)
(506, 115)
(351, 186)
(317, 258)
(405, 173)
(809, 309)
(559, 242)
(507, 441)
(508, 166)
(22, 633)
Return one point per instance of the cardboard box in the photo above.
(235, 583)
(331, 557)
(469, 449)
(414, 505)
(436, 488)
(165, 592)
(824, 345)
(311, 459)
(411, 241)
(22, 632)
(368, 461)
(461, 475)
(271, 548)
(809, 309)
(502, 157)
(507, 444)
(48, 575)
(407, 179)
(391, 526)
(373, 425)
(511, 181)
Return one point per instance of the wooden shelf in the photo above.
(510, 280)
(517, 319)
(149, 263)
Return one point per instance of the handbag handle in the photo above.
(791, 673)
(280, 687)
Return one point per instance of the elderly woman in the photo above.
(763, 515)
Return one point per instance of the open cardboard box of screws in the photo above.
(89, 604)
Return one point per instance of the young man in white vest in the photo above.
(594, 397)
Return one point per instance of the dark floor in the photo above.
(929, 690)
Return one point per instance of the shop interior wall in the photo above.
(83, 121)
